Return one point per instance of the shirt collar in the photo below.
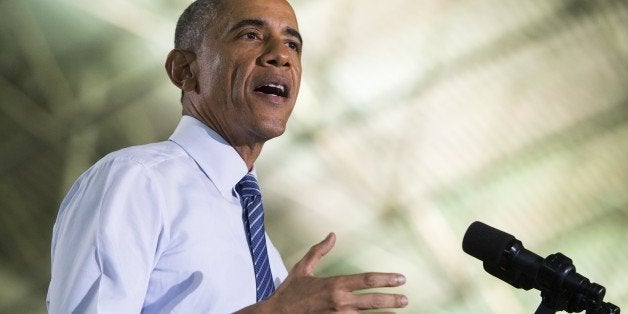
(217, 159)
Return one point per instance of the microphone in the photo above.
(562, 288)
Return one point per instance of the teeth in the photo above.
(273, 89)
(280, 87)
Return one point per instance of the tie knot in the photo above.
(248, 186)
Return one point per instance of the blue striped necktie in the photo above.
(253, 216)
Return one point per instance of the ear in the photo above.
(182, 69)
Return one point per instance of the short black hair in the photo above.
(193, 23)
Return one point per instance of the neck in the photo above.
(249, 154)
(249, 150)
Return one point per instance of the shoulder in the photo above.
(147, 156)
(137, 168)
(124, 183)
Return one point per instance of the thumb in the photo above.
(308, 262)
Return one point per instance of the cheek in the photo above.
(297, 80)
(238, 76)
(297, 70)
(211, 75)
(238, 82)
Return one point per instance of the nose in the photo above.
(276, 54)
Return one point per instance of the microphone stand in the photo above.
(562, 289)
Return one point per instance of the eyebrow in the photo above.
(295, 33)
(260, 23)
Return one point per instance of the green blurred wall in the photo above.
(415, 118)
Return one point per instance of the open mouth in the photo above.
(273, 89)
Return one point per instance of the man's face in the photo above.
(250, 70)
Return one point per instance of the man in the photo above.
(177, 226)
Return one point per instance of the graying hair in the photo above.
(194, 22)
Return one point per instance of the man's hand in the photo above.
(301, 292)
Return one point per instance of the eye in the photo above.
(250, 36)
(294, 46)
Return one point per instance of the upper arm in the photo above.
(105, 239)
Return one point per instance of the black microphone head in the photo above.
(486, 243)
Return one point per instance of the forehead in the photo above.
(276, 13)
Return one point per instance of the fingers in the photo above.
(370, 280)
(308, 262)
(302, 290)
(369, 301)
(379, 301)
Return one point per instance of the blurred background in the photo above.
(415, 118)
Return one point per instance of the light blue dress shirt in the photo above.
(157, 229)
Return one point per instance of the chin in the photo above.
(272, 130)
